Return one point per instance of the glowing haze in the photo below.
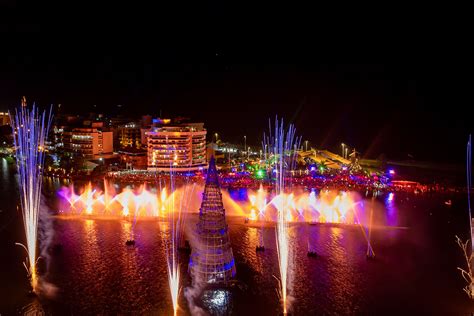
(147, 203)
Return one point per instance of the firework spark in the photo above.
(30, 132)
(175, 214)
(172, 258)
(281, 149)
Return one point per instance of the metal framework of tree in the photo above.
(212, 260)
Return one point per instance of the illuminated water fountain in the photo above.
(327, 207)
(129, 204)
(152, 203)
(258, 201)
(30, 132)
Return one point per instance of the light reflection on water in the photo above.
(106, 276)
(391, 210)
(133, 279)
(217, 302)
(97, 274)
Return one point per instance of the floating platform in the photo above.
(32, 293)
(186, 248)
(370, 255)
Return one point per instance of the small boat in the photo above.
(130, 242)
(448, 202)
(312, 254)
(260, 248)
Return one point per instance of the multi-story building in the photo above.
(181, 146)
(88, 141)
(151, 124)
(133, 159)
(4, 118)
(129, 135)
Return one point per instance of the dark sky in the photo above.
(396, 81)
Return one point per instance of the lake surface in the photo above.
(94, 273)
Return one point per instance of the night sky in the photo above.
(392, 82)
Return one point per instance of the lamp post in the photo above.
(265, 155)
(306, 144)
(343, 145)
(346, 153)
(217, 135)
(245, 144)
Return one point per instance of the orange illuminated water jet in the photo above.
(143, 202)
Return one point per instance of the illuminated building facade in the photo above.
(88, 142)
(129, 135)
(212, 259)
(182, 147)
(4, 118)
(133, 159)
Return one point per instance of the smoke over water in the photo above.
(45, 238)
(193, 293)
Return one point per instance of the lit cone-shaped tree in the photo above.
(212, 260)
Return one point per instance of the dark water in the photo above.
(95, 274)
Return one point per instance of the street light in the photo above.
(346, 153)
(343, 145)
(245, 143)
(216, 136)
(306, 143)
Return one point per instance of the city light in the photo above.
(260, 174)
(390, 196)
